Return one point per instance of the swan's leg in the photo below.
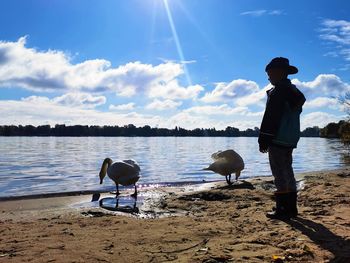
(117, 203)
(228, 179)
(237, 175)
(135, 193)
(117, 193)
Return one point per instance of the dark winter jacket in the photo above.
(281, 122)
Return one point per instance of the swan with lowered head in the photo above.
(126, 172)
(226, 163)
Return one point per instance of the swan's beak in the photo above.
(101, 179)
(206, 169)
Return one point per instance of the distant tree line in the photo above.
(342, 127)
(337, 130)
(311, 132)
(127, 130)
(131, 130)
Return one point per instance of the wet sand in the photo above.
(200, 223)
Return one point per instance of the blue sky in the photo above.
(167, 63)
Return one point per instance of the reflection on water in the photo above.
(34, 165)
(125, 204)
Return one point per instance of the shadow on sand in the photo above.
(238, 185)
(217, 195)
(324, 238)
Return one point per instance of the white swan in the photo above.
(226, 163)
(126, 172)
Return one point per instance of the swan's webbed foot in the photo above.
(95, 197)
(117, 203)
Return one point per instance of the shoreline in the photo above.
(210, 222)
(149, 186)
(83, 199)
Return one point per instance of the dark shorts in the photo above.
(281, 166)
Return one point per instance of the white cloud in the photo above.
(345, 53)
(323, 91)
(261, 12)
(245, 93)
(222, 110)
(254, 13)
(319, 119)
(189, 120)
(324, 85)
(215, 110)
(229, 91)
(332, 54)
(163, 105)
(38, 110)
(122, 107)
(338, 33)
(257, 98)
(322, 102)
(81, 86)
(173, 91)
(79, 100)
(345, 67)
(41, 110)
(52, 70)
(275, 12)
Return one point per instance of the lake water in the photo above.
(36, 165)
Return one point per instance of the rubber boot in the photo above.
(292, 204)
(281, 212)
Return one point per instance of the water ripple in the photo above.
(36, 165)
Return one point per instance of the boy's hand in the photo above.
(263, 148)
(264, 142)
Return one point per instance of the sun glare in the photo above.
(177, 41)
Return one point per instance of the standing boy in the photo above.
(280, 133)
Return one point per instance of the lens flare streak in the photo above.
(177, 42)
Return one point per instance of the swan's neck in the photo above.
(106, 163)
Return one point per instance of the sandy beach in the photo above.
(210, 222)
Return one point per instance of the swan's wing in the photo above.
(227, 154)
(133, 163)
(230, 155)
(123, 173)
(122, 169)
(129, 180)
(129, 161)
(233, 159)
